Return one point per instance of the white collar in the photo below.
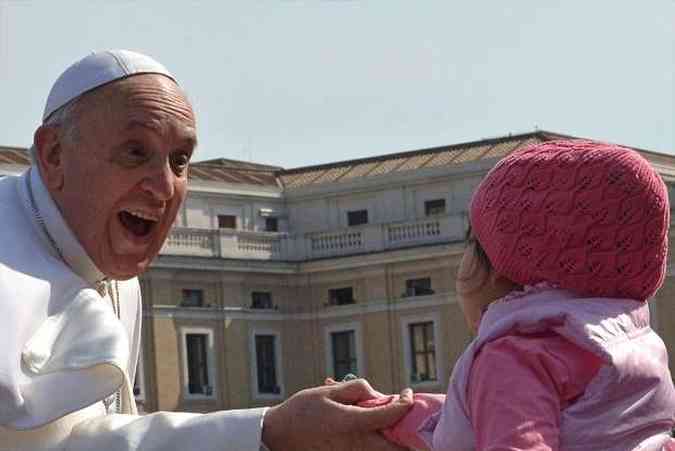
(56, 228)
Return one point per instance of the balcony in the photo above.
(225, 243)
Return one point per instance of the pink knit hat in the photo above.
(590, 217)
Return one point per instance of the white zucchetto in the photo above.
(98, 69)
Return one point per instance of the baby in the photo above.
(568, 241)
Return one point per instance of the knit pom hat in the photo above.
(590, 217)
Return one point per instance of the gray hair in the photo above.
(64, 118)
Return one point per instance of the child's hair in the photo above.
(481, 260)
(590, 217)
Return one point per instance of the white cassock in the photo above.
(66, 357)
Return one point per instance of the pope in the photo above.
(109, 172)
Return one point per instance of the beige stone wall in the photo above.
(436, 269)
(381, 349)
(167, 364)
(302, 298)
(300, 342)
(236, 364)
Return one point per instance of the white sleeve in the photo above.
(233, 430)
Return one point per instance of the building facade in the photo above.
(273, 279)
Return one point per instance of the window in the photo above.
(340, 296)
(261, 299)
(422, 352)
(271, 224)
(418, 287)
(434, 207)
(357, 217)
(266, 359)
(266, 376)
(343, 349)
(193, 298)
(197, 364)
(227, 222)
(344, 353)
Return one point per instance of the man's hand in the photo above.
(326, 419)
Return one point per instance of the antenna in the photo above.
(247, 150)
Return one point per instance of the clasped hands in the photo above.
(326, 418)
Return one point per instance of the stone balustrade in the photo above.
(227, 243)
(192, 242)
(336, 243)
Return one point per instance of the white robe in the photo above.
(64, 350)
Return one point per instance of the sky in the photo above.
(298, 83)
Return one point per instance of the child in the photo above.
(569, 240)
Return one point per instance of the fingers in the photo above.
(353, 391)
(378, 417)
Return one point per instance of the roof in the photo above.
(455, 154)
(14, 155)
(233, 171)
(451, 155)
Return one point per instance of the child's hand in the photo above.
(415, 429)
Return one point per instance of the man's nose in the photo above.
(160, 182)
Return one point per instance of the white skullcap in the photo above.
(98, 69)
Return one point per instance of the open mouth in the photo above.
(140, 224)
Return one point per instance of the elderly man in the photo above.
(109, 175)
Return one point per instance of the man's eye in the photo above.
(180, 162)
(136, 153)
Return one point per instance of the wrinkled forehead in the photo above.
(142, 87)
(149, 100)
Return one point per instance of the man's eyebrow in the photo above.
(153, 125)
(189, 134)
(190, 138)
(192, 143)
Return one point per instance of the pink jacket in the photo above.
(629, 404)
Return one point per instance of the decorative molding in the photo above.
(245, 192)
(333, 312)
(399, 255)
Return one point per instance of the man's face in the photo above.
(125, 172)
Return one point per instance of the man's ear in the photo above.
(48, 156)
